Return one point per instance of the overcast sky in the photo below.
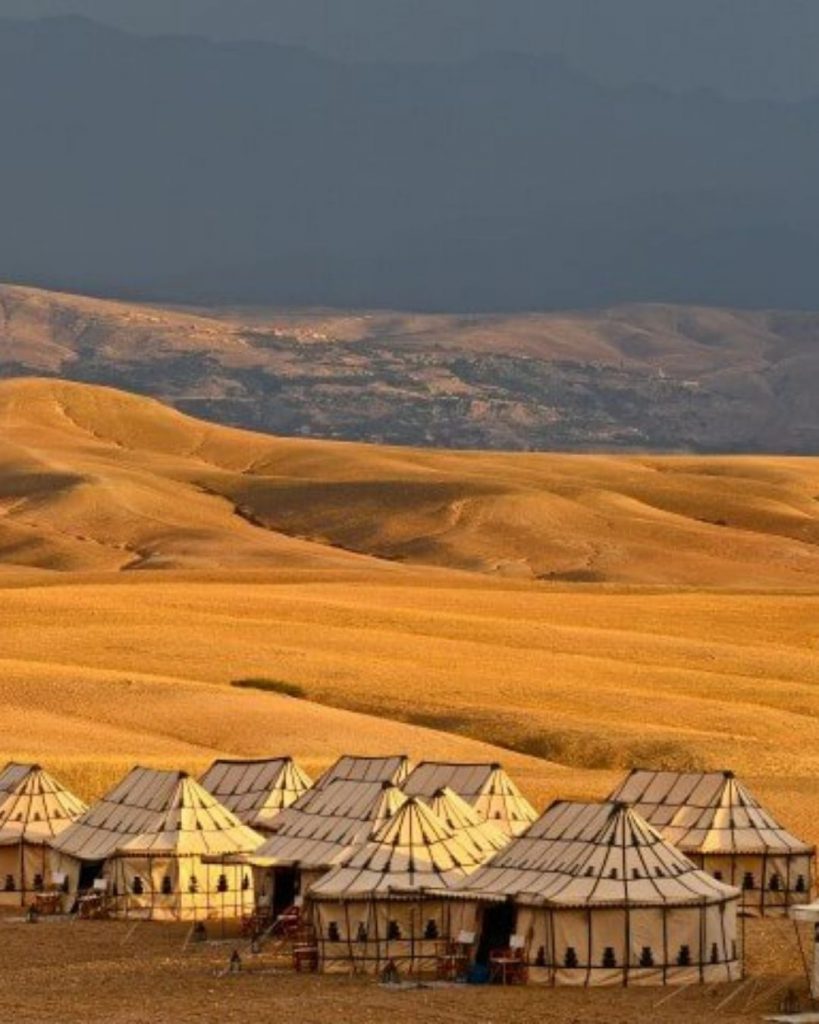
(741, 47)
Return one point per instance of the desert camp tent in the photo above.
(316, 832)
(384, 903)
(349, 768)
(484, 838)
(34, 809)
(598, 897)
(256, 791)
(715, 820)
(486, 787)
(148, 836)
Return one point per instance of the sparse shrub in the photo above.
(272, 686)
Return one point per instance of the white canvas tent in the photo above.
(316, 832)
(486, 787)
(256, 790)
(350, 768)
(483, 838)
(714, 819)
(384, 903)
(599, 898)
(148, 838)
(34, 809)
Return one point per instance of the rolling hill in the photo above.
(630, 378)
(94, 479)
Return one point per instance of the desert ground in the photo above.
(570, 616)
(116, 973)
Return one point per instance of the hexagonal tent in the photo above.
(598, 897)
(715, 820)
(149, 838)
(34, 810)
(383, 904)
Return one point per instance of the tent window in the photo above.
(635, 873)
(540, 959)
(37, 816)
(718, 876)
(333, 934)
(245, 883)
(222, 884)
(684, 956)
(659, 872)
(613, 873)
(570, 959)
(609, 959)
(362, 934)
(431, 930)
(775, 882)
(393, 931)
(167, 886)
(137, 886)
(646, 957)
(9, 886)
(589, 872)
(714, 953)
(193, 884)
(748, 881)
(800, 883)
(38, 883)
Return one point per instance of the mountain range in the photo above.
(662, 378)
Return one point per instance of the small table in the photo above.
(48, 903)
(507, 970)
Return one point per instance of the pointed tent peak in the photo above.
(34, 806)
(192, 822)
(483, 837)
(256, 789)
(414, 850)
(484, 785)
(392, 768)
(707, 812)
(596, 854)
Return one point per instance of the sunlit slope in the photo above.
(96, 479)
(597, 679)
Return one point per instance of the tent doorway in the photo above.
(497, 928)
(90, 871)
(285, 889)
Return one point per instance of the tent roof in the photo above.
(193, 822)
(392, 769)
(146, 802)
(484, 838)
(590, 854)
(326, 824)
(706, 812)
(485, 786)
(34, 807)
(413, 850)
(256, 790)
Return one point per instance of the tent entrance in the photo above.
(286, 887)
(90, 871)
(497, 928)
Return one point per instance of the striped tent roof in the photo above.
(414, 850)
(192, 823)
(706, 813)
(256, 790)
(144, 803)
(34, 807)
(595, 854)
(349, 768)
(324, 825)
(486, 787)
(484, 838)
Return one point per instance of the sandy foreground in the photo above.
(118, 973)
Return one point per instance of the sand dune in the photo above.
(93, 479)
